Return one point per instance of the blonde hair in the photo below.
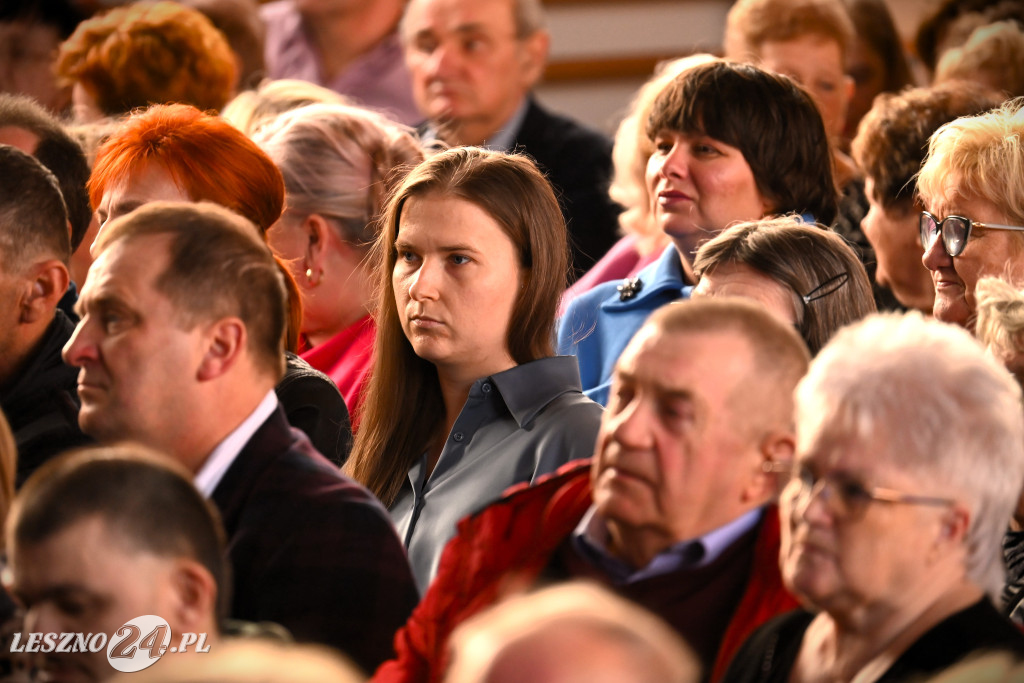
(1000, 316)
(979, 156)
(994, 55)
(250, 109)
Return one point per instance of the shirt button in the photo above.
(458, 436)
(486, 388)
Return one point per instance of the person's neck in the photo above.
(636, 547)
(686, 247)
(28, 340)
(865, 643)
(340, 38)
(213, 417)
(455, 385)
(476, 130)
(341, 323)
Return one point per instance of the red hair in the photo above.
(207, 157)
(210, 160)
(149, 53)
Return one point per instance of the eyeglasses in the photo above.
(955, 231)
(848, 498)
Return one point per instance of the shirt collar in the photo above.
(591, 539)
(528, 388)
(224, 454)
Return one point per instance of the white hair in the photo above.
(938, 406)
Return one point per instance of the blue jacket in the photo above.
(598, 324)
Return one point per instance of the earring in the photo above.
(313, 282)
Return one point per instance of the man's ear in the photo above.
(775, 456)
(225, 341)
(533, 57)
(46, 283)
(194, 596)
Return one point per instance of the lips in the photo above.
(425, 322)
(670, 196)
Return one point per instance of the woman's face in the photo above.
(894, 236)
(872, 555)
(455, 282)
(148, 182)
(816, 63)
(699, 186)
(737, 279)
(988, 252)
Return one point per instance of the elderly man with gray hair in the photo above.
(909, 462)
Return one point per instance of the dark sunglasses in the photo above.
(955, 231)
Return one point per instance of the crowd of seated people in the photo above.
(324, 339)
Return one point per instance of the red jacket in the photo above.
(504, 548)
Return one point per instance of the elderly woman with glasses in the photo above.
(908, 464)
(972, 188)
(808, 276)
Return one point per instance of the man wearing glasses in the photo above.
(972, 187)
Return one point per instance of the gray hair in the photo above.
(339, 162)
(940, 408)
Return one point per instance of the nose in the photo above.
(935, 256)
(443, 61)
(815, 505)
(80, 349)
(675, 163)
(425, 283)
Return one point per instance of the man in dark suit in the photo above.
(37, 391)
(179, 348)
(473, 63)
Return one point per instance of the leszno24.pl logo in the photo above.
(133, 647)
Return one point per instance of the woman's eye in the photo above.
(406, 256)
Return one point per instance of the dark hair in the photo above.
(63, 15)
(33, 218)
(403, 404)
(147, 500)
(803, 259)
(58, 151)
(893, 136)
(218, 267)
(769, 118)
(874, 26)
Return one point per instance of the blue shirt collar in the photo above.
(591, 541)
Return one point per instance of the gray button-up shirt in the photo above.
(515, 426)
